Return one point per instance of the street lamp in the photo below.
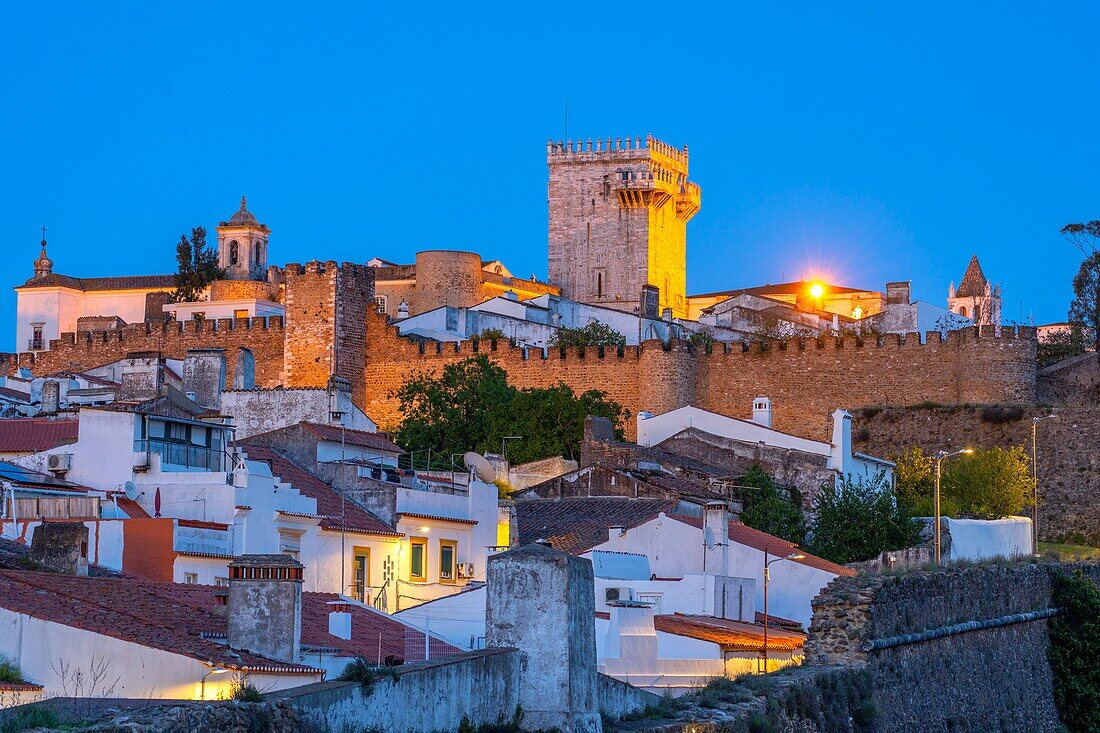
(767, 579)
(940, 458)
(202, 685)
(1035, 483)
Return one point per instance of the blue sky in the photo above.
(872, 142)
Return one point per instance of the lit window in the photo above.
(448, 549)
(361, 574)
(223, 582)
(240, 313)
(191, 578)
(380, 304)
(418, 559)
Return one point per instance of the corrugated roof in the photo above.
(34, 434)
(329, 504)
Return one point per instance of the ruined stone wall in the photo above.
(977, 680)
(1069, 460)
(263, 336)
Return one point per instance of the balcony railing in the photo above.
(186, 455)
(36, 344)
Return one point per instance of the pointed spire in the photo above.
(973, 283)
(243, 207)
(43, 266)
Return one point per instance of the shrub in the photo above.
(1074, 649)
(9, 670)
(594, 334)
(29, 719)
(242, 690)
(856, 519)
(998, 414)
(767, 511)
(991, 483)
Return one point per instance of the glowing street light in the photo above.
(767, 578)
(817, 290)
(202, 684)
(940, 458)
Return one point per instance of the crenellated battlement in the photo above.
(617, 148)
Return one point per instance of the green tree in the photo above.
(1075, 651)
(766, 510)
(594, 334)
(914, 483)
(452, 413)
(1062, 344)
(991, 483)
(856, 519)
(471, 406)
(197, 266)
(1084, 310)
(550, 421)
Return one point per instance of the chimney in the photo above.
(340, 405)
(61, 547)
(204, 374)
(402, 311)
(598, 428)
(898, 293)
(643, 429)
(339, 620)
(244, 371)
(631, 638)
(265, 606)
(142, 376)
(51, 397)
(716, 537)
(841, 451)
(762, 411)
(651, 302)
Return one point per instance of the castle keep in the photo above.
(618, 221)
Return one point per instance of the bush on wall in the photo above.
(1075, 652)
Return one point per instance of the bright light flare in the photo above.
(817, 290)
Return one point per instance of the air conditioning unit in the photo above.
(466, 570)
(59, 462)
(618, 594)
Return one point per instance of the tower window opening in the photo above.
(599, 284)
(234, 252)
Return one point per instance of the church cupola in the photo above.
(43, 266)
(242, 245)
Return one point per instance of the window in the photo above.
(179, 431)
(234, 252)
(962, 311)
(599, 283)
(240, 313)
(290, 543)
(36, 337)
(222, 582)
(380, 304)
(418, 559)
(448, 550)
(361, 574)
(191, 578)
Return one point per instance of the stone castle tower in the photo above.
(242, 246)
(975, 298)
(618, 215)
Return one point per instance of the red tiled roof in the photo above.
(738, 635)
(436, 517)
(132, 508)
(329, 505)
(14, 394)
(176, 617)
(774, 620)
(576, 525)
(126, 282)
(19, 687)
(743, 534)
(359, 438)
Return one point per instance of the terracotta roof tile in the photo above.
(329, 505)
(737, 635)
(973, 282)
(132, 508)
(579, 524)
(360, 438)
(126, 282)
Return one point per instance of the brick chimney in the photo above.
(61, 547)
(265, 606)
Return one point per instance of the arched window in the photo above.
(962, 311)
(234, 252)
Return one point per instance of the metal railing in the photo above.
(36, 344)
(186, 455)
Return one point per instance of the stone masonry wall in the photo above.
(1069, 461)
(264, 336)
(983, 680)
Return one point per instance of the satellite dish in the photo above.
(131, 490)
(480, 465)
(708, 538)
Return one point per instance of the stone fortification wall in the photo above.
(974, 680)
(85, 350)
(806, 380)
(1069, 462)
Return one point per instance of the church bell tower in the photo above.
(242, 246)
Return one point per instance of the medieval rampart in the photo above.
(806, 380)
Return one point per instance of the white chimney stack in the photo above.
(762, 411)
(339, 620)
(841, 451)
(716, 537)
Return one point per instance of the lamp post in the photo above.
(940, 458)
(1035, 482)
(202, 684)
(767, 579)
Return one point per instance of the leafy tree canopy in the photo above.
(471, 406)
(1074, 651)
(768, 511)
(594, 334)
(989, 484)
(197, 266)
(856, 519)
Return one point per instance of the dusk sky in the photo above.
(866, 144)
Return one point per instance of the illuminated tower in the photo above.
(618, 214)
(242, 246)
